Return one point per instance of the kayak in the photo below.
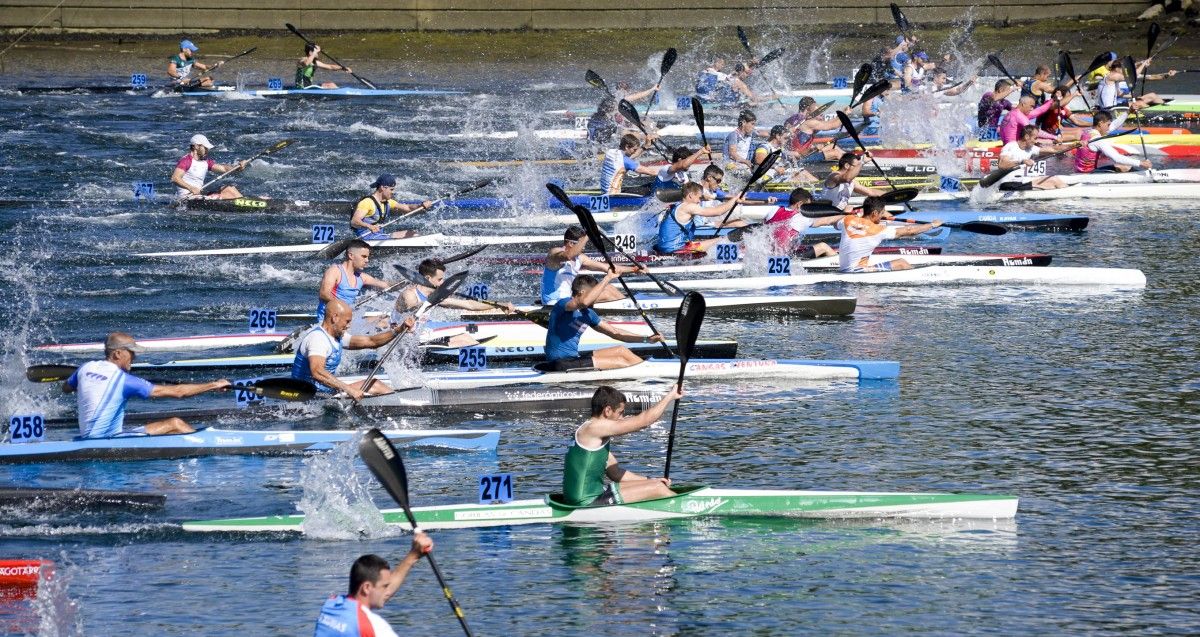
(435, 240)
(1119, 277)
(689, 502)
(312, 91)
(211, 441)
(831, 263)
(652, 369)
(259, 204)
(1145, 191)
(797, 304)
(537, 258)
(23, 573)
(58, 499)
(1135, 177)
(175, 344)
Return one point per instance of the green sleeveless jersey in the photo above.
(304, 75)
(583, 474)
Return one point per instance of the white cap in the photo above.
(201, 140)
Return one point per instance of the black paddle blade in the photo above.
(1060, 66)
(698, 115)
(771, 56)
(630, 113)
(447, 288)
(995, 61)
(669, 195)
(687, 325)
(820, 209)
(875, 90)
(296, 31)
(762, 169)
(899, 18)
(560, 195)
(860, 79)
(482, 183)
(1152, 37)
(991, 178)
(595, 80)
(737, 234)
(667, 62)
(1068, 66)
(1097, 62)
(820, 110)
(463, 255)
(411, 275)
(279, 146)
(384, 461)
(292, 389)
(49, 373)
(984, 227)
(899, 195)
(332, 250)
(741, 33)
(849, 126)
(1130, 69)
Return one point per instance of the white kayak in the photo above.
(175, 344)
(697, 368)
(1170, 175)
(933, 274)
(1146, 191)
(831, 263)
(436, 240)
(796, 304)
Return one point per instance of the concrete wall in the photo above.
(190, 16)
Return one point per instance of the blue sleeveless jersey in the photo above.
(342, 617)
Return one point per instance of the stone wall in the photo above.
(189, 16)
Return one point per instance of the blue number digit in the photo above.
(275, 83)
(840, 82)
(14, 427)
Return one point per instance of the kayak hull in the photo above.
(934, 274)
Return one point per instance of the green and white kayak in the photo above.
(690, 502)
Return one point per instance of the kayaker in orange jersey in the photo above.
(861, 235)
(589, 460)
(372, 583)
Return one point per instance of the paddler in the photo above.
(804, 126)
(372, 583)
(620, 160)
(589, 460)
(306, 67)
(570, 318)
(180, 66)
(862, 234)
(677, 230)
(568, 261)
(1087, 156)
(319, 351)
(1052, 120)
(603, 124)
(843, 184)
(344, 281)
(941, 84)
(738, 143)
(1021, 152)
(1113, 90)
(789, 160)
(1024, 115)
(104, 387)
(994, 104)
(788, 227)
(716, 87)
(192, 170)
(412, 297)
(1039, 87)
(675, 174)
(372, 211)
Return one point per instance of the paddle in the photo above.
(384, 461)
(1069, 68)
(901, 21)
(337, 247)
(1130, 69)
(758, 173)
(595, 80)
(875, 90)
(626, 109)
(667, 62)
(849, 126)
(1097, 62)
(820, 110)
(771, 56)
(1151, 39)
(442, 292)
(745, 40)
(418, 278)
(292, 389)
(242, 166)
(698, 114)
(823, 209)
(192, 81)
(995, 61)
(687, 328)
(991, 178)
(331, 58)
(860, 79)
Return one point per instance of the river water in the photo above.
(1081, 402)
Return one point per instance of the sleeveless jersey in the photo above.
(194, 171)
(787, 227)
(860, 237)
(556, 284)
(304, 75)
(344, 290)
(583, 472)
(672, 235)
(612, 170)
(318, 341)
(344, 617)
(183, 68)
(565, 329)
(839, 194)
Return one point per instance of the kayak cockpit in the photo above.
(555, 500)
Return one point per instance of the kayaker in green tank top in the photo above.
(589, 459)
(307, 66)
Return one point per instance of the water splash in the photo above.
(336, 502)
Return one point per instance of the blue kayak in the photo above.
(211, 441)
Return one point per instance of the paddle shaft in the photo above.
(629, 293)
(331, 58)
(854, 133)
(191, 81)
(242, 166)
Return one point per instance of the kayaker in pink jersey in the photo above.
(1024, 115)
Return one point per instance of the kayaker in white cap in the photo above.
(180, 66)
(192, 171)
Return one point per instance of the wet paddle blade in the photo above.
(560, 195)
(698, 115)
(1097, 62)
(667, 62)
(849, 126)
(744, 39)
(384, 461)
(901, 20)
(991, 178)
(49, 373)
(820, 209)
(687, 325)
(821, 110)
(1130, 69)
(875, 90)
(464, 255)
(595, 80)
(412, 275)
(669, 195)
(626, 109)
(292, 389)
(860, 79)
(899, 195)
(995, 61)
(482, 183)
(771, 56)
(332, 250)
(447, 288)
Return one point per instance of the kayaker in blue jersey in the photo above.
(372, 211)
(568, 261)
(345, 280)
(180, 66)
(738, 143)
(604, 124)
(105, 385)
(590, 460)
(372, 583)
(677, 230)
(570, 318)
(306, 67)
(620, 160)
(713, 84)
(319, 351)
(675, 174)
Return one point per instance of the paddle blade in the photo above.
(482, 183)
(292, 389)
(595, 80)
(669, 195)
(860, 79)
(1152, 37)
(415, 277)
(464, 255)
(1130, 69)
(984, 227)
(698, 115)
(49, 373)
(820, 110)
(687, 325)
(447, 288)
(384, 461)
(899, 195)
(668, 61)
(279, 146)
(1098, 61)
(744, 39)
(875, 90)
(900, 19)
(630, 113)
(849, 126)
(332, 250)
(991, 178)
(820, 209)
(560, 195)
(762, 169)
(995, 61)
(771, 56)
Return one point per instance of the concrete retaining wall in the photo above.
(189, 16)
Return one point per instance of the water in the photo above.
(1082, 402)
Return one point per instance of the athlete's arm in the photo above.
(379, 339)
(421, 544)
(186, 390)
(629, 424)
